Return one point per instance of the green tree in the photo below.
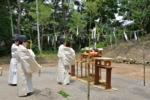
(5, 29)
(91, 8)
(19, 16)
(137, 11)
(76, 21)
(44, 11)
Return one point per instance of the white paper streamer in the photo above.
(64, 35)
(94, 32)
(52, 41)
(71, 37)
(114, 32)
(77, 31)
(125, 35)
(92, 35)
(110, 39)
(48, 39)
(56, 37)
(91, 48)
(98, 37)
(135, 36)
(94, 45)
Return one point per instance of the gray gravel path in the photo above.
(128, 88)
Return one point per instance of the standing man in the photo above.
(12, 75)
(70, 58)
(63, 62)
(25, 67)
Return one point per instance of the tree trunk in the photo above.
(54, 39)
(42, 37)
(12, 30)
(143, 51)
(63, 9)
(19, 17)
(38, 31)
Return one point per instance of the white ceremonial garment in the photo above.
(63, 54)
(69, 56)
(12, 75)
(26, 66)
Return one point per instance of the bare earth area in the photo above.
(129, 70)
(128, 88)
(127, 78)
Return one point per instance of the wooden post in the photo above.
(108, 78)
(1, 71)
(96, 78)
(72, 70)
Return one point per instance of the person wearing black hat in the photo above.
(25, 67)
(64, 55)
(12, 75)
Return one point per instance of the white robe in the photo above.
(69, 58)
(63, 62)
(12, 75)
(26, 66)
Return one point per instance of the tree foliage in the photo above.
(59, 16)
(136, 10)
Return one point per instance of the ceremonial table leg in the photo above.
(108, 78)
(72, 70)
(77, 70)
(96, 76)
(81, 70)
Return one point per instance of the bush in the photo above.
(101, 44)
(49, 52)
(82, 50)
(34, 48)
(3, 51)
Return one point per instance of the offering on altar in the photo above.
(100, 49)
(93, 53)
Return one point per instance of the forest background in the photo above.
(45, 21)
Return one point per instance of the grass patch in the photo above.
(64, 94)
(46, 53)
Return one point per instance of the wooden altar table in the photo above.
(104, 63)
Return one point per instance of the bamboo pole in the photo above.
(88, 94)
(143, 64)
(30, 48)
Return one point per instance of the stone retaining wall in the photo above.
(120, 59)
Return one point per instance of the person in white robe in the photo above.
(69, 59)
(65, 59)
(25, 67)
(12, 75)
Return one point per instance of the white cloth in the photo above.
(114, 32)
(77, 32)
(69, 56)
(31, 52)
(125, 35)
(135, 36)
(26, 66)
(94, 32)
(64, 53)
(12, 75)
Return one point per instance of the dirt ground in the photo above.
(129, 86)
(128, 70)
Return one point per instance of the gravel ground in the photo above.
(128, 88)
